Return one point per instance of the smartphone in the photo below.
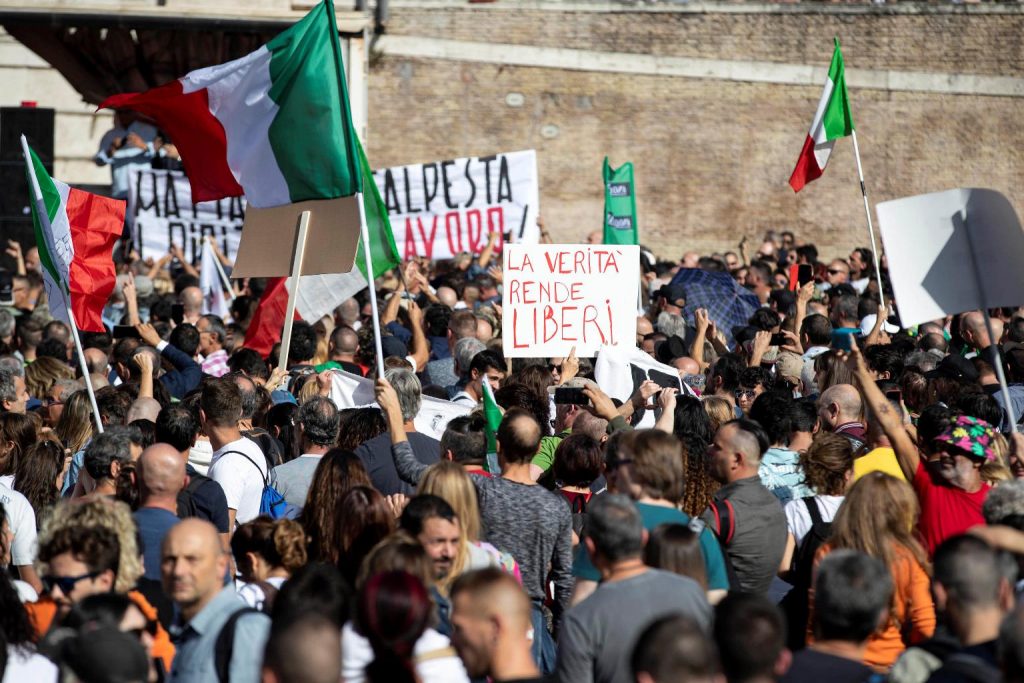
(779, 339)
(177, 313)
(571, 396)
(125, 332)
(894, 395)
(805, 274)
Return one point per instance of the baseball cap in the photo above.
(393, 346)
(789, 366)
(971, 435)
(574, 383)
(954, 367)
(675, 294)
(867, 324)
(143, 286)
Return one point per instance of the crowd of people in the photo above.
(830, 496)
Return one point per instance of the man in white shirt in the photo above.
(21, 520)
(238, 464)
(318, 422)
(487, 366)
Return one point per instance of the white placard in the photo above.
(441, 208)
(620, 372)
(932, 242)
(557, 296)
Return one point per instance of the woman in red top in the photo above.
(578, 461)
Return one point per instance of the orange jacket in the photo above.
(912, 603)
(42, 613)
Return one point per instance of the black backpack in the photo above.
(225, 644)
(186, 497)
(796, 603)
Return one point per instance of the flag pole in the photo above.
(867, 215)
(220, 270)
(1004, 389)
(293, 293)
(44, 220)
(365, 234)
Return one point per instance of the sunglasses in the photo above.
(745, 393)
(552, 367)
(65, 583)
(150, 628)
(47, 402)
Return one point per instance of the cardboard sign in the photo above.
(564, 295)
(951, 252)
(160, 204)
(440, 209)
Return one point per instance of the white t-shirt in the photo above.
(356, 653)
(7, 480)
(241, 479)
(25, 664)
(798, 520)
(252, 594)
(22, 520)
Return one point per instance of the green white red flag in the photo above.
(492, 415)
(274, 125)
(832, 120)
(75, 234)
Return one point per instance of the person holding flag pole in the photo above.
(833, 120)
(75, 234)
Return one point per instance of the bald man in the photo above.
(342, 349)
(686, 366)
(192, 570)
(746, 516)
(159, 476)
(491, 623)
(644, 327)
(975, 334)
(191, 299)
(841, 411)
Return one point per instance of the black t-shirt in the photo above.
(380, 465)
(811, 666)
(210, 502)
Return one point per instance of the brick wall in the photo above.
(712, 157)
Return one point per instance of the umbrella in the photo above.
(728, 304)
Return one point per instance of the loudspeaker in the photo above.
(35, 124)
(14, 192)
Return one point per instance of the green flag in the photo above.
(492, 414)
(620, 205)
(383, 252)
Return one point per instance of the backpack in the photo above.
(796, 604)
(272, 503)
(186, 497)
(725, 530)
(225, 644)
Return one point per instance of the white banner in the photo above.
(620, 372)
(557, 296)
(160, 204)
(352, 391)
(442, 208)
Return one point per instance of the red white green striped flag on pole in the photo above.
(832, 120)
(75, 234)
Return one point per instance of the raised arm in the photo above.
(700, 322)
(488, 251)
(131, 301)
(420, 348)
(803, 297)
(409, 468)
(876, 332)
(881, 410)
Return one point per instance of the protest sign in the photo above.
(620, 205)
(561, 296)
(620, 371)
(441, 208)
(160, 203)
(951, 252)
(352, 391)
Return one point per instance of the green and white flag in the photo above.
(492, 414)
(620, 205)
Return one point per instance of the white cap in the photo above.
(868, 324)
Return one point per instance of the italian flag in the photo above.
(75, 234)
(492, 415)
(274, 125)
(832, 120)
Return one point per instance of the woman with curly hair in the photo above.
(338, 472)
(17, 433)
(359, 425)
(267, 553)
(693, 426)
(40, 476)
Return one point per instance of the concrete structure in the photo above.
(710, 101)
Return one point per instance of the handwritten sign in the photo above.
(442, 208)
(564, 295)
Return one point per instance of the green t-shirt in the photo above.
(545, 458)
(654, 516)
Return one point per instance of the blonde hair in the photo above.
(447, 480)
(996, 470)
(75, 425)
(719, 411)
(108, 514)
(41, 373)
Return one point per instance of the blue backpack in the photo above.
(272, 503)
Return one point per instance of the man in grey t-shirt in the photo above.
(318, 433)
(598, 635)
